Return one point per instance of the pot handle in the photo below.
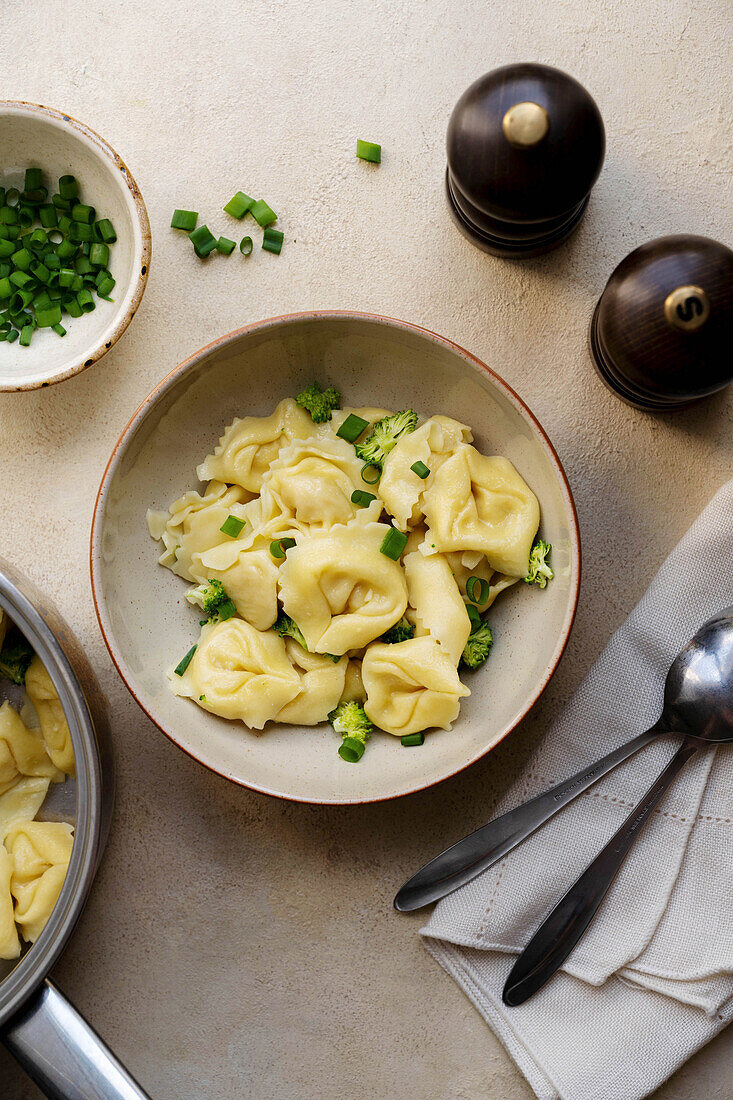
(63, 1054)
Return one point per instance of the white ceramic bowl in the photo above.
(147, 623)
(35, 136)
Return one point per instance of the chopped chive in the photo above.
(99, 255)
(60, 202)
(262, 213)
(185, 662)
(80, 212)
(226, 610)
(12, 336)
(33, 179)
(352, 428)
(22, 259)
(351, 750)
(239, 205)
(106, 231)
(80, 233)
(184, 219)
(26, 335)
(279, 547)
(12, 196)
(232, 527)
(225, 246)
(477, 590)
(420, 469)
(203, 241)
(371, 480)
(368, 150)
(49, 217)
(411, 739)
(59, 330)
(393, 543)
(49, 316)
(474, 616)
(104, 286)
(245, 246)
(272, 241)
(68, 187)
(86, 301)
(362, 498)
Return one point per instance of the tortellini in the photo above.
(481, 503)
(40, 851)
(497, 582)
(249, 576)
(321, 686)
(192, 526)
(9, 941)
(47, 705)
(340, 589)
(21, 751)
(401, 489)
(439, 609)
(411, 686)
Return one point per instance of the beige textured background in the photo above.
(237, 946)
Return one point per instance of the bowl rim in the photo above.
(231, 338)
(30, 109)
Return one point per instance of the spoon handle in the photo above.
(560, 931)
(466, 858)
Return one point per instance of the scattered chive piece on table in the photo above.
(420, 469)
(181, 668)
(225, 246)
(477, 590)
(362, 498)
(411, 739)
(232, 526)
(351, 749)
(245, 246)
(239, 205)
(368, 150)
(393, 543)
(352, 428)
(262, 213)
(203, 241)
(371, 479)
(272, 241)
(184, 219)
(279, 547)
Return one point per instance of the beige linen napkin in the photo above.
(652, 979)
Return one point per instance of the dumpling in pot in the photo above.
(40, 851)
(22, 801)
(340, 589)
(47, 705)
(9, 942)
(21, 751)
(249, 446)
(481, 503)
(249, 576)
(239, 672)
(432, 443)
(411, 686)
(193, 524)
(497, 582)
(321, 685)
(438, 605)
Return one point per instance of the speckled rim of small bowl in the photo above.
(294, 318)
(21, 106)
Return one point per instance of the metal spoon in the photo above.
(695, 704)
(700, 690)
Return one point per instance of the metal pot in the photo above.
(53, 1043)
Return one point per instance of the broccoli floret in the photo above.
(285, 626)
(319, 403)
(15, 656)
(384, 435)
(400, 632)
(214, 600)
(539, 571)
(351, 722)
(478, 646)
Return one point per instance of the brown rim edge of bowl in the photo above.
(145, 252)
(336, 314)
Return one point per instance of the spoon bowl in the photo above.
(698, 694)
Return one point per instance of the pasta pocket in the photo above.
(249, 446)
(47, 705)
(40, 851)
(403, 490)
(22, 752)
(411, 686)
(249, 576)
(9, 942)
(321, 686)
(340, 589)
(481, 503)
(497, 582)
(239, 672)
(193, 524)
(438, 606)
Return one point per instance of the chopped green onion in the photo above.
(184, 219)
(49, 217)
(477, 590)
(68, 187)
(279, 547)
(203, 241)
(420, 469)
(86, 301)
(6, 287)
(59, 330)
(33, 179)
(12, 336)
(26, 335)
(186, 661)
(22, 259)
(232, 526)
(106, 231)
(245, 246)
(411, 739)
(362, 498)
(371, 480)
(105, 285)
(80, 212)
(225, 246)
(368, 150)
(393, 543)
(226, 610)
(60, 202)
(48, 317)
(262, 213)
(272, 241)
(351, 750)
(352, 428)
(239, 205)
(12, 196)
(474, 616)
(99, 255)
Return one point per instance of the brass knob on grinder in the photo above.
(662, 332)
(525, 145)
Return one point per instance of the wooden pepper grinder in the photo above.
(525, 146)
(662, 332)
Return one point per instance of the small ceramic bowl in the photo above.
(148, 625)
(39, 137)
